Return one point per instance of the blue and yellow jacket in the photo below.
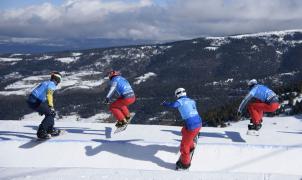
(44, 92)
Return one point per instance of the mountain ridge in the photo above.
(214, 72)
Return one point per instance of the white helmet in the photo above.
(56, 76)
(179, 92)
(252, 82)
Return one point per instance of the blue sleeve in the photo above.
(51, 86)
(175, 104)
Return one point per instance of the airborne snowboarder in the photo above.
(41, 100)
(119, 108)
(260, 99)
(191, 128)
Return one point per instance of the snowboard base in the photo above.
(62, 132)
(253, 133)
(120, 129)
(177, 168)
(123, 128)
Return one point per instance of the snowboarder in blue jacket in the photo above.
(191, 128)
(260, 99)
(41, 100)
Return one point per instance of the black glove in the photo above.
(162, 103)
(239, 114)
(106, 100)
(52, 112)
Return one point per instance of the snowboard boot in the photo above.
(254, 126)
(128, 118)
(121, 123)
(258, 126)
(42, 133)
(192, 149)
(180, 165)
(54, 131)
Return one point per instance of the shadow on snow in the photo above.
(290, 132)
(234, 136)
(33, 140)
(127, 149)
(16, 134)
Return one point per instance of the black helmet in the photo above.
(56, 76)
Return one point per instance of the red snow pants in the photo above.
(187, 143)
(119, 108)
(256, 110)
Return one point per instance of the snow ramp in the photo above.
(92, 151)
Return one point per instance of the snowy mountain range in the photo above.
(92, 151)
(40, 45)
(214, 70)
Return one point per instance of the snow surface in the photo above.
(144, 77)
(219, 41)
(100, 117)
(222, 82)
(91, 151)
(13, 75)
(44, 57)
(70, 81)
(68, 60)
(281, 34)
(3, 59)
(211, 48)
(18, 54)
(75, 80)
(75, 54)
(24, 86)
(255, 48)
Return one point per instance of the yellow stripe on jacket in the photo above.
(50, 98)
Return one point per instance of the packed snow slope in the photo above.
(92, 151)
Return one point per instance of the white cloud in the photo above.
(145, 19)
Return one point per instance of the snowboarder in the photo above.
(119, 108)
(260, 99)
(191, 128)
(41, 100)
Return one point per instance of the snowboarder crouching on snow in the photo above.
(41, 100)
(260, 99)
(119, 108)
(191, 128)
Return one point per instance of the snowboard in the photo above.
(252, 133)
(191, 154)
(50, 137)
(123, 128)
(36, 141)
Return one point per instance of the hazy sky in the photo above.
(145, 19)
